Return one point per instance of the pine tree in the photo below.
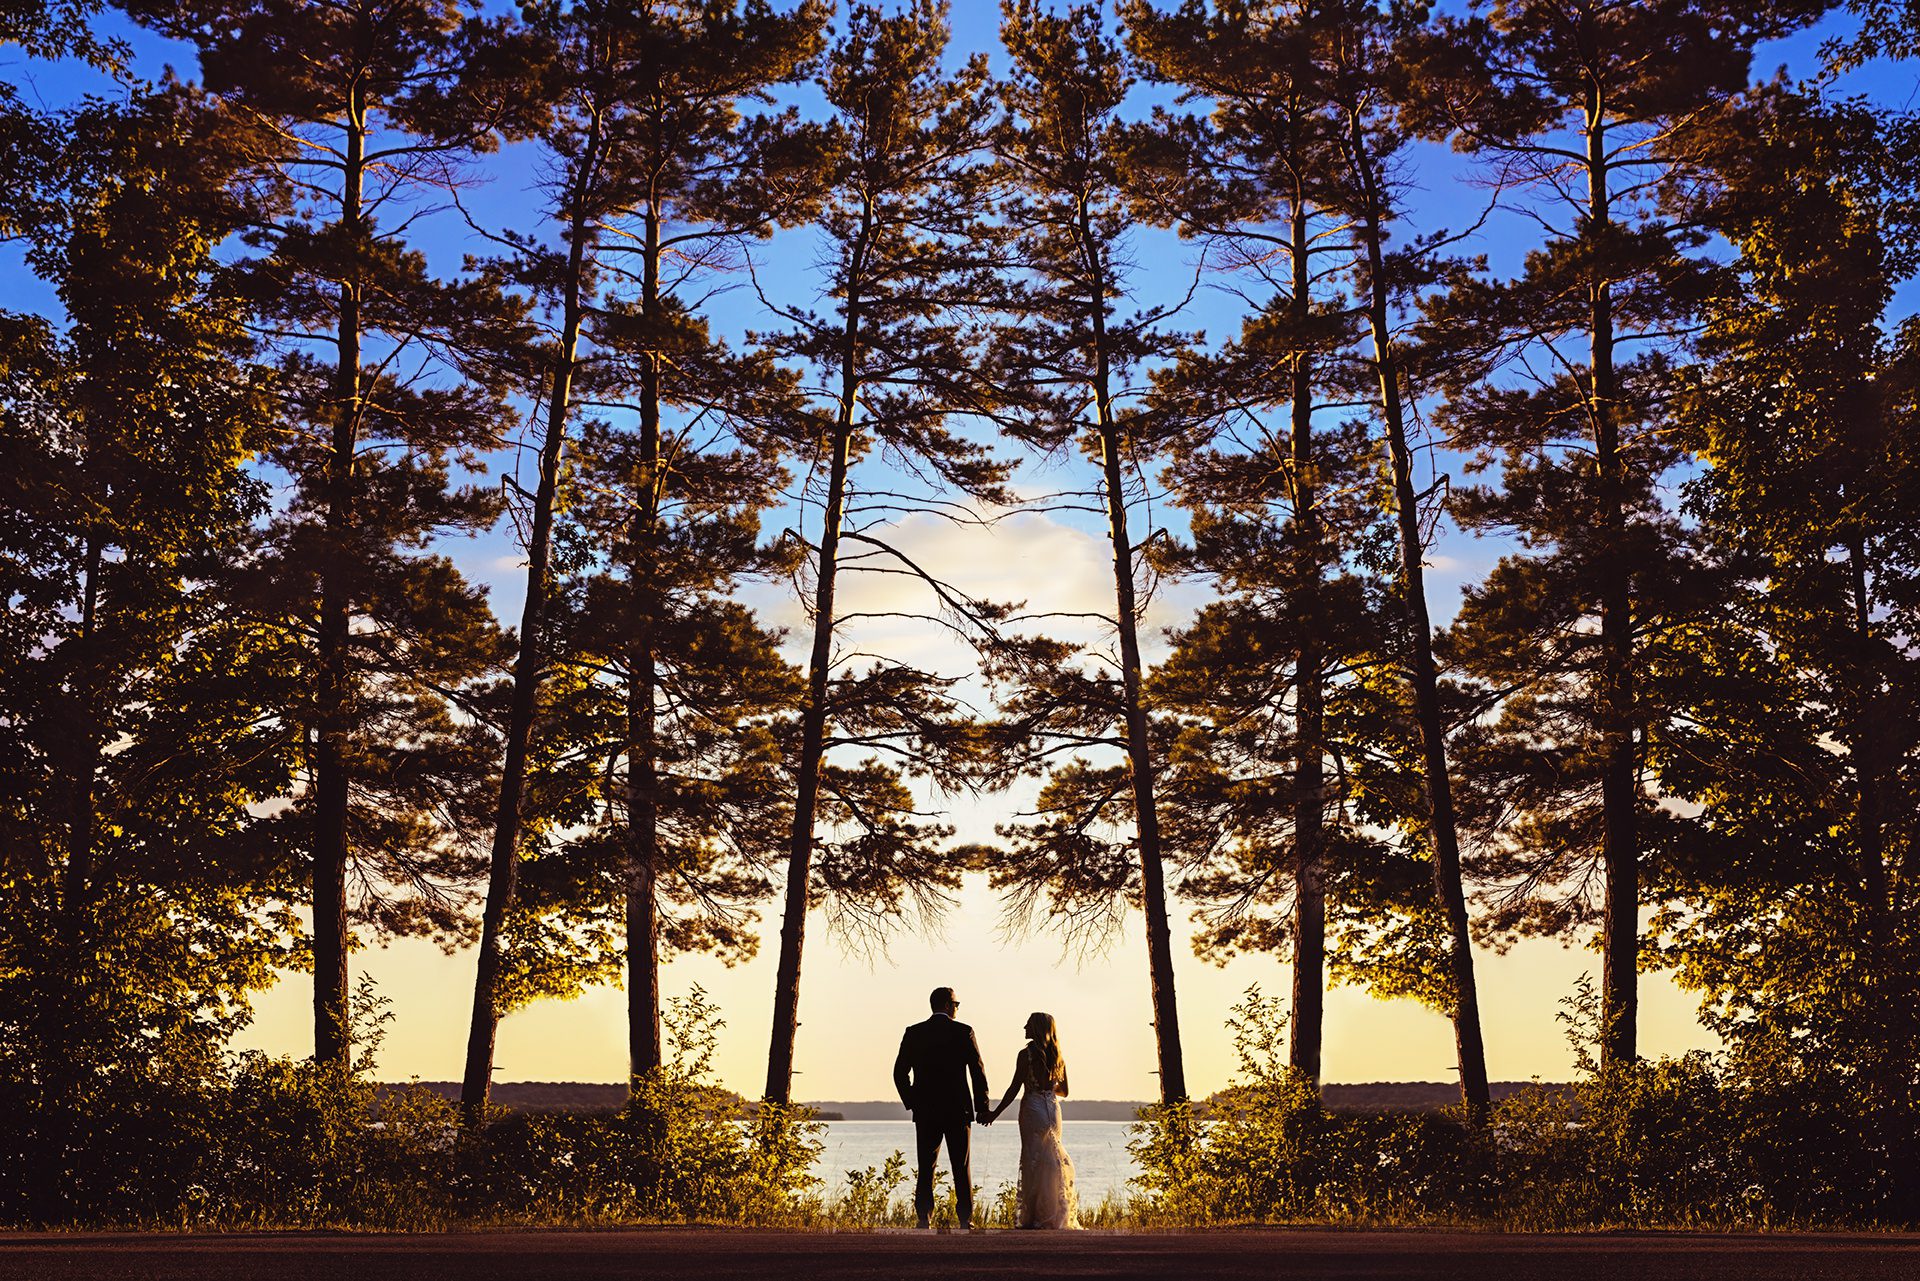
(1064, 356)
(1563, 95)
(659, 175)
(900, 213)
(1266, 515)
(363, 106)
(690, 693)
(570, 104)
(1364, 66)
(698, 198)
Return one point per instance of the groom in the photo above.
(936, 1059)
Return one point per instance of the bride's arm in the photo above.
(1061, 1088)
(1013, 1087)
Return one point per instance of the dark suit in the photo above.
(941, 1081)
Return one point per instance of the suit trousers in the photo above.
(957, 1135)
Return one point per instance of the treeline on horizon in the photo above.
(589, 1096)
(243, 686)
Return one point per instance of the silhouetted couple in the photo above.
(943, 1083)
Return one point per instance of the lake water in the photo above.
(1101, 1163)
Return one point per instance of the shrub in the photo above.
(1696, 1141)
(273, 1142)
(1268, 1151)
(682, 1149)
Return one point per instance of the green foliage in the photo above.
(139, 902)
(1267, 1151)
(1700, 1141)
(1703, 1141)
(1175, 1179)
(1792, 884)
(867, 1199)
(683, 1149)
(272, 1142)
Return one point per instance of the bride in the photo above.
(1046, 1171)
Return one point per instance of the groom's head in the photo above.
(943, 1001)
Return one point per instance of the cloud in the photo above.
(1061, 575)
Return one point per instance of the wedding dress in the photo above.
(1047, 1198)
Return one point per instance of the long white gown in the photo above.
(1047, 1198)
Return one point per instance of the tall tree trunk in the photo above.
(68, 998)
(813, 721)
(1864, 746)
(643, 848)
(1309, 811)
(643, 784)
(1447, 881)
(529, 664)
(1619, 790)
(333, 684)
(1885, 990)
(1153, 889)
(85, 770)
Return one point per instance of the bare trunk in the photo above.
(813, 733)
(77, 889)
(67, 988)
(1864, 745)
(1447, 879)
(643, 783)
(1153, 889)
(813, 728)
(331, 1034)
(529, 664)
(643, 835)
(1619, 790)
(1309, 886)
(1309, 868)
(1885, 991)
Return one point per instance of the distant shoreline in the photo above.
(595, 1096)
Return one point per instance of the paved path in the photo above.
(678, 1254)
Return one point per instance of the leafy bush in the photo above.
(1268, 1150)
(1700, 1140)
(275, 1142)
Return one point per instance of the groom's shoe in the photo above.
(922, 1222)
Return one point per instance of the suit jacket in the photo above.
(936, 1059)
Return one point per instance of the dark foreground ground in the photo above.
(672, 1254)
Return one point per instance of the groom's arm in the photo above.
(981, 1103)
(902, 1073)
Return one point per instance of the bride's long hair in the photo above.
(1046, 1048)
